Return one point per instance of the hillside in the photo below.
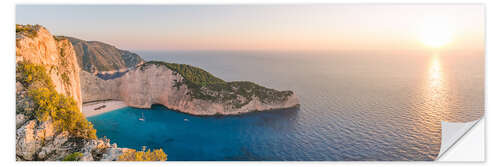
(98, 57)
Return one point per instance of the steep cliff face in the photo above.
(49, 64)
(101, 58)
(154, 83)
(56, 54)
(96, 89)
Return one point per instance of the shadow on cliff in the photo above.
(281, 120)
(286, 112)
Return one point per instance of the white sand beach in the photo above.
(100, 107)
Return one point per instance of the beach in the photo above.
(100, 107)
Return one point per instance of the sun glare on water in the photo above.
(435, 34)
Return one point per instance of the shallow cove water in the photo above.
(354, 106)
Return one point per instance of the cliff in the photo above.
(186, 89)
(101, 58)
(96, 89)
(49, 124)
(36, 45)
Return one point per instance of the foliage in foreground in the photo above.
(49, 104)
(33, 76)
(133, 155)
(73, 156)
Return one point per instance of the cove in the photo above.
(249, 136)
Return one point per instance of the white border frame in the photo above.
(7, 101)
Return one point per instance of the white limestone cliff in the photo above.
(41, 141)
(154, 84)
(57, 55)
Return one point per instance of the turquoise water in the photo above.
(354, 106)
(199, 138)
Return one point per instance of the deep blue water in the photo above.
(354, 106)
(246, 137)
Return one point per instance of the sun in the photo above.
(435, 34)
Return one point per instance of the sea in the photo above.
(354, 106)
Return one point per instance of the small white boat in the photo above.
(142, 118)
(185, 119)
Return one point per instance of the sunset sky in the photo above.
(266, 27)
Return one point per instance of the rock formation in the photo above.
(40, 141)
(156, 83)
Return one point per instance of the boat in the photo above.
(185, 119)
(142, 118)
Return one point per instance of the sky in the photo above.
(266, 27)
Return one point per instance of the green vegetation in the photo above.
(63, 63)
(73, 156)
(61, 52)
(133, 155)
(57, 38)
(65, 78)
(194, 75)
(48, 104)
(63, 111)
(27, 30)
(31, 75)
(203, 85)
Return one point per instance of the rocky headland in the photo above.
(186, 89)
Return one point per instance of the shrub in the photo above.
(27, 30)
(48, 104)
(73, 156)
(57, 38)
(63, 111)
(65, 78)
(193, 74)
(33, 75)
(133, 155)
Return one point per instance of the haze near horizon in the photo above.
(266, 27)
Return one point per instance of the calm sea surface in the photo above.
(354, 106)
